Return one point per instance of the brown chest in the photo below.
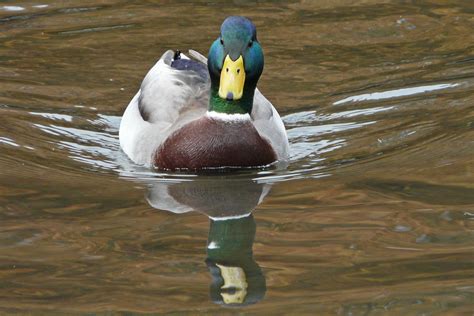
(213, 143)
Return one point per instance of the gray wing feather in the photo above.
(167, 92)
(268, 123)
(198, 56)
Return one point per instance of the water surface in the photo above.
(374, 214)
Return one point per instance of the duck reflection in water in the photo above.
(237, 280)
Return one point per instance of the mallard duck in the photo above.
(189, 115)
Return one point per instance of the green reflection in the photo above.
(237, 279)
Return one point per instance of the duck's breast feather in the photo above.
(210, 143)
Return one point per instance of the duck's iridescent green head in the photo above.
(235, 64)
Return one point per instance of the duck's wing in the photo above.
(175, 84)
(174, 91)
(269, 125)
(265, 117)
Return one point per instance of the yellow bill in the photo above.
(231, 86)
(234, 278)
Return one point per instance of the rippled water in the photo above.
(374, 214)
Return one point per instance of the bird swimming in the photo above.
(194, 114)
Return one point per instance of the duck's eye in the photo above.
(250, 44)
(222, 42)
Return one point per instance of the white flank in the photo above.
(228, 117)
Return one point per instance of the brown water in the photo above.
(374, 215)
